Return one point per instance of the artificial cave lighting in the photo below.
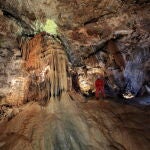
(49, 27)
(44, 71)
(83, 83)
(17, 81)
(128, 95)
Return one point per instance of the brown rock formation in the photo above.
(38, 106)
(114, 51)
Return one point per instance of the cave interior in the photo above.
(75, 75)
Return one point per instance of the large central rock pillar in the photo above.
(46, 63)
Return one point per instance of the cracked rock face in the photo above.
(13, 77)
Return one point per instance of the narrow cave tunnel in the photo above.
(74, 75)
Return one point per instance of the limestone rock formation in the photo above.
(47, 78)
(85, 30)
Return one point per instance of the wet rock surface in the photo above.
(66, 124)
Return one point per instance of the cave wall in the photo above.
(86, 29)
(13, 78)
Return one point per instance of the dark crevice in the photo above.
(93, 20)
(27, 35)
(17, 19)
(95, 52)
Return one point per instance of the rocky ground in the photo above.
(75, 124)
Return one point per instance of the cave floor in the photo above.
(77, 124)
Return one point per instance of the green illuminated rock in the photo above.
(50, 27)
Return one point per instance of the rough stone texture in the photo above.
(76, 125)
(8, 28)
(43, 56)
(107, 37)
(85, 27)
(13, 79)
(12, 73)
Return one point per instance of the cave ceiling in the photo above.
(82, 23)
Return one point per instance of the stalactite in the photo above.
(57, 75)
(46, 60)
